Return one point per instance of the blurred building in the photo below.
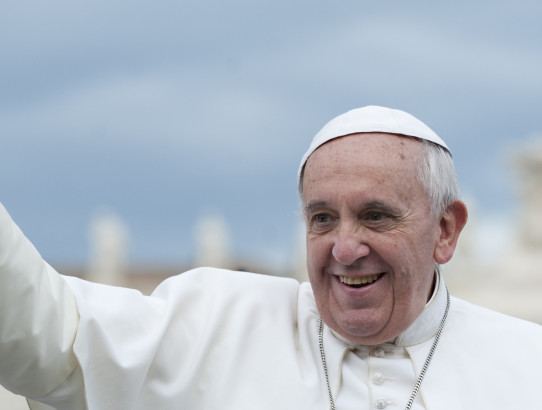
(108, 249)
(213, 241)
(511, 282)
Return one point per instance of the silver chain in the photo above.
(422, 373)
(323, 356)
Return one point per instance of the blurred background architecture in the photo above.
(510, 281)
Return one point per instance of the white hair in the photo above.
(436, 173)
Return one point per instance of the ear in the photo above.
(451, 224)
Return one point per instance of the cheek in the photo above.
(312, 254)
(416, 276)
(317, 254)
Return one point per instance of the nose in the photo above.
(348, 247)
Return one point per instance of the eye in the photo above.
(321, 222)
(322, 218)
(379, 220)
(376, 216)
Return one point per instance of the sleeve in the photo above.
(38, 324)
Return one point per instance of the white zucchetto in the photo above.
(372, 119)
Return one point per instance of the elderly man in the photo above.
(375, 328)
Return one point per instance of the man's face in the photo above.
(370, 235)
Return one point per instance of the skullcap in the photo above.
(371, 119)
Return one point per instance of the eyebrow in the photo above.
(313, 205)
(382, 206)
(376, 204)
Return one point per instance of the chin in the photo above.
(364, 331)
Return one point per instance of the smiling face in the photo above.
(371, 238)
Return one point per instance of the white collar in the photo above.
(426, 325)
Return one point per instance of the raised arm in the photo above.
(38, 318)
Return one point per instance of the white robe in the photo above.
(216, 339)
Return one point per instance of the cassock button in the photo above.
(379, 352)
(381, 403)
(379, 378)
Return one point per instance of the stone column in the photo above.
(212, 239)
(108, 254)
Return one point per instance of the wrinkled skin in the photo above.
(367, 214)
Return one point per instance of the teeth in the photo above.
(365, 280)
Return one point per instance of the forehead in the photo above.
(367, 149)
(367, 159)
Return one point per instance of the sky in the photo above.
(163, 111)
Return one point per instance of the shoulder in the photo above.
(476, 322)
(228, 281)
(492, 359)
(211, 288)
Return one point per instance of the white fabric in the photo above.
(371, 119)
(210, 339)
(215, 339)
(38, 318)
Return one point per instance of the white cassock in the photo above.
(214, 339)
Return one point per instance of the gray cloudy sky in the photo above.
(161, 110)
